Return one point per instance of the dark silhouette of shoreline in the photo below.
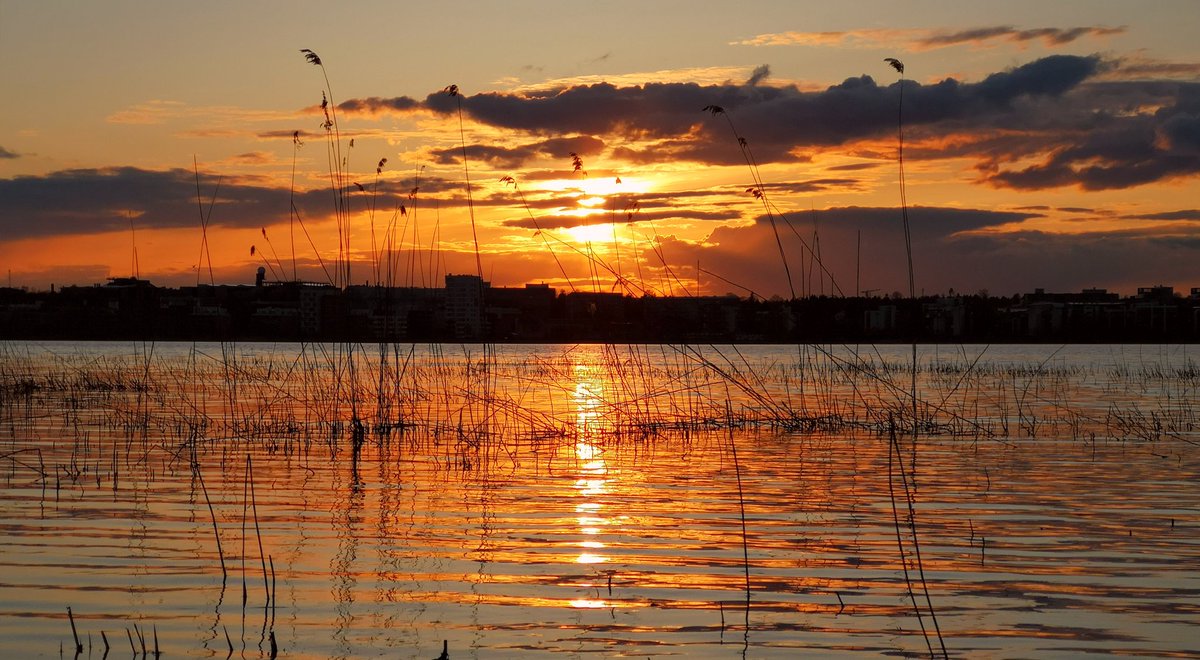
(467, 309)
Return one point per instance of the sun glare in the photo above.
(595, 200)
(602, 187)
(601, 233)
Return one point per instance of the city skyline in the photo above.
(1045, 147)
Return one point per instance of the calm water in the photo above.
(588, 501)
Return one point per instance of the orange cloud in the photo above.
(918, 40)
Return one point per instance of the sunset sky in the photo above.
(1046, 144)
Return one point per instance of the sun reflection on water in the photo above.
(592, 478)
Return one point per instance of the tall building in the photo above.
(464, 305)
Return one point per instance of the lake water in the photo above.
(599, 501)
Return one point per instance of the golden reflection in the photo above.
(592, 476)
(591, 484)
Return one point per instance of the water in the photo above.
(586, 501)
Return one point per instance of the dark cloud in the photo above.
(1184, 214)
(1140, 68)
(855, 108)
(854, 167)
(864, 240)
(924, 221)
(87, 201)
(779, 123)
(1063, 113)
(760, 73)
(1049, 76)
(288, 135)
(624, 217)
(501, 157)
(1121, 151)
(91, 201)
(6, 154)
(812, 185)
(1025, 260)
(1051, 36)
(253, 158)
(963, 249)
(376, 104)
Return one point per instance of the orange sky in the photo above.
(1044, 147)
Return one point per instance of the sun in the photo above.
(602, 187)
(598, 199)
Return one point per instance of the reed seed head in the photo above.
(311, 57)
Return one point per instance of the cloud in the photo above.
(1140, 67)
(501, 157)
(794, 38)
(376, 105)
(568, 221)
(964, 249)
(811, 185)
(5, 154)
(931, 39)
(162, 111)
(253, 158)
(289, 135)
(1121, 151)
(925, 221)
(95, 201)
(91, 201)
(709, 75)
(749, 255)
(854, 167)
(1049, 36)
(150, 112)
(1049, 76)
(664, 120)
(1183, 214)
(759, 74)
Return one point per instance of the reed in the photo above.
(257, 529)
(212, 514)
(904, 477)
(74, 633)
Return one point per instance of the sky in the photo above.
(650, 148)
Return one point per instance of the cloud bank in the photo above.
(1053, 122)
